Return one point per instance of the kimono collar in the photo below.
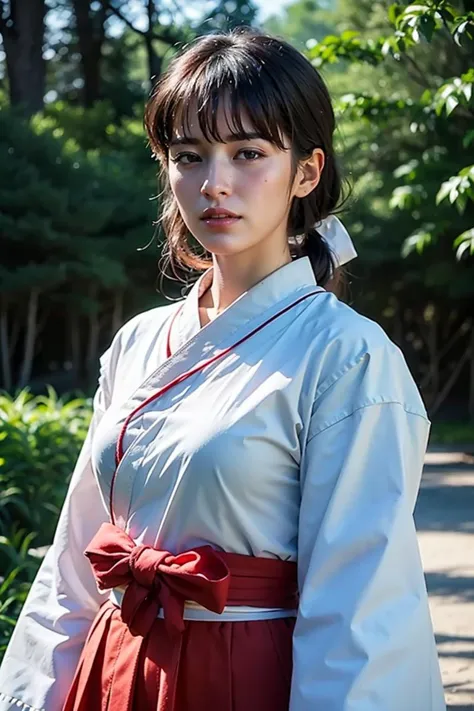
(281, 284)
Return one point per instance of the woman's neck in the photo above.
(232, 277)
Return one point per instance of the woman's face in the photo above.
(249, 177)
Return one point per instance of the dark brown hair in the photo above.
(281, 93)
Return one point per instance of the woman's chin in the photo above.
(223, 245)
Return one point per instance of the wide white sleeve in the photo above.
(43, 652)
(363, 639)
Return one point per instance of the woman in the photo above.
(256, 441)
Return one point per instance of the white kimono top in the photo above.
(305, 443)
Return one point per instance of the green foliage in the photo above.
(40, 441)
(453, 433)
(75, 216)
(85, 128)
(20, 567)
(451, 94)
(301, 23)
(77, 213)
(435, 121)
(53, 206)
(40, 437)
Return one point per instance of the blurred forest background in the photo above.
(78, 202)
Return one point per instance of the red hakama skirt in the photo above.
(134, 660)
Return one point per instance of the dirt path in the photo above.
(445, 522)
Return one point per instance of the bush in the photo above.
(40, 441)
(20, 568)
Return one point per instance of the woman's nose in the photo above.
(217, 180)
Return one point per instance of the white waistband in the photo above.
(231, 613)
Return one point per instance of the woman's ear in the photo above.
(308, 174)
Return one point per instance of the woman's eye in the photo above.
(185, 158)
(250, 154)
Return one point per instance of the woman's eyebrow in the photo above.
(231, 138)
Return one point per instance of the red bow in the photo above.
(154, 579)
(157, 579)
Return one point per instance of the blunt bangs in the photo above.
(238, 82)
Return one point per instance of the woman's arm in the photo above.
(45, 646)
(363, 639)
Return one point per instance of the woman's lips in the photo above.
(220, 222)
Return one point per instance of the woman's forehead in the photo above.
(225, 124)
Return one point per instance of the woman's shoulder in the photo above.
(138, 334)
(345, 332)
(146, 324)
(355, 361)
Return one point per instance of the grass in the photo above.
(453, 433)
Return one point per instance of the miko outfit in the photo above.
(276, 451)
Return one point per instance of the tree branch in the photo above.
(417, 75)
(447, 347)
(164, 36)
(118, 13)
(455, 373)
(103, 12)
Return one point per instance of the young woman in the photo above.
(246, 490)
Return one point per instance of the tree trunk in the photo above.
(154, 61)
(471, 377)
(154, 32)
(5, 347)
(90, 35)
(15, 335)
(398, 326)
(75, 344)
(451, 380)
(433, 353)
(92, 353)
(23, 36)
(30, 339)
(117, 314)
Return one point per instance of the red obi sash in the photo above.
(157, 579)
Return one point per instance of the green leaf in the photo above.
(468, 139)
(451, 103)
(443, 192)
(464, 29)
(467, 172)
(407, 169)
(416, 9)
(394, 12)
(461, 202)
(427, 27)
(349, 34)
(464, 242)
(467, 91)
(418, 241)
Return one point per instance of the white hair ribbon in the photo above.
(337, 237)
